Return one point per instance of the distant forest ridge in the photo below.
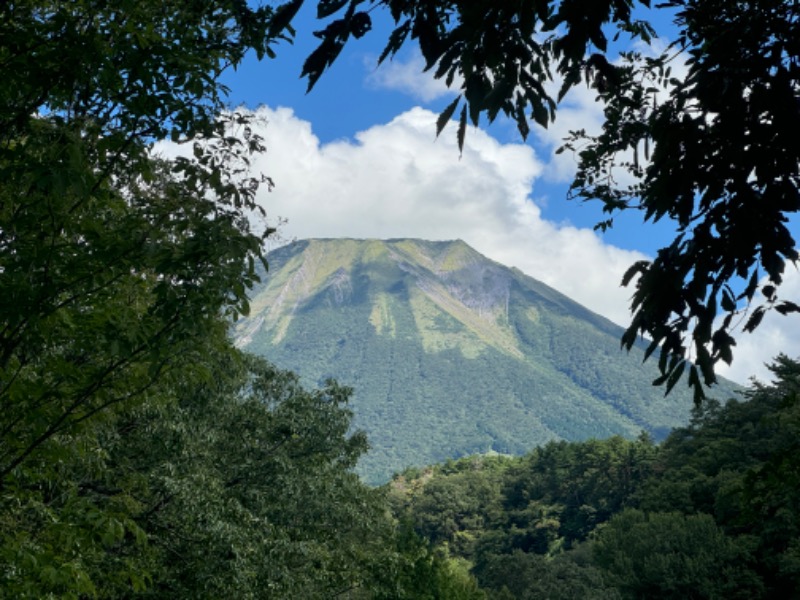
(712, 512)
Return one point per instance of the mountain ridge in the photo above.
(449, 352)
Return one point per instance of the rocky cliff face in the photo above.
(449, 353)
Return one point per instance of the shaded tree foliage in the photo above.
(239, 485)
(529, 576)
(668, 555)
(738, 462)
(720, 162)
(247, 489)
(710, 513)
(112, 261)
(714, 151)
(117, 268)
(584, 484)
(139, 452)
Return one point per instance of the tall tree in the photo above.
(112, 261)
(247, 489)
(117, 267)
(715, 151)
(737, 462)
(669, 555)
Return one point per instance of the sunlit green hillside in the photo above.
(449, 352)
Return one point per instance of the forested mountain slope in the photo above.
(449, 352)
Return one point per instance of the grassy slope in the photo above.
(449, 353)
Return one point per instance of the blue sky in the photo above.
(355, 95)
(357, 157)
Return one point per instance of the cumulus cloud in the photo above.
(406, 75)
(398, 180)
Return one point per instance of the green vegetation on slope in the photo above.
(449, 353)
(721, 161)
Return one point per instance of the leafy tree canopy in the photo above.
(710, 513)
(714, 151)
(140, 453)
(118, 269)
(114, 262)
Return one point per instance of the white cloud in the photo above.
(397, 180)
(578, 110)
(408, 76)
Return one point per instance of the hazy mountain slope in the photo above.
(449, 353)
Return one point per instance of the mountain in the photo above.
(450, 353)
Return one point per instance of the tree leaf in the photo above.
(445, 115)
(326, 8)
(360, 24)
(396, 40)
(462, 129)
(755, 319)
(786, 307)
(674, 377)
(283, 16)
(728, 303)
(639, 267)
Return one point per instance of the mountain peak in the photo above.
(449, 353)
